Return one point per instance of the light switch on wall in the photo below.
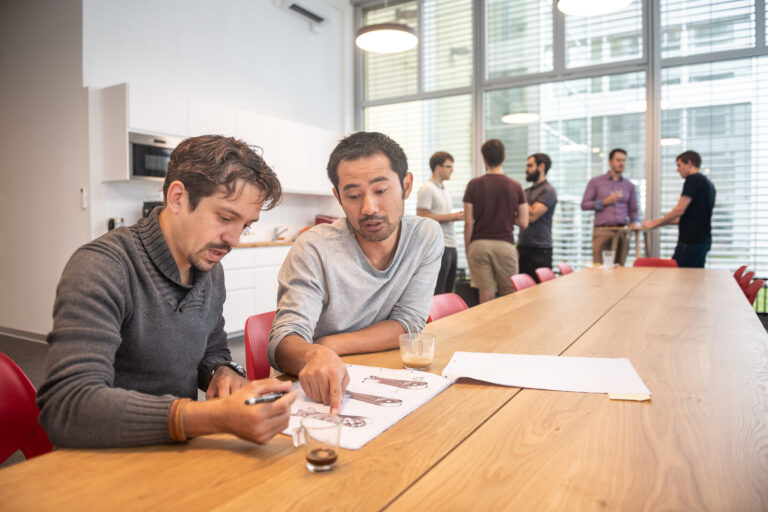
(83, 198)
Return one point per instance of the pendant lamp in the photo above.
(591, 7)
(386, 38)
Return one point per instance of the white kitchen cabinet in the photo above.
(250, 275)
(261, 131)
(152, 111)
(303, 153)
(207, 117)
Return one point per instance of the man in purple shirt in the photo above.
(614, 200)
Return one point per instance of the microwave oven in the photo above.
(150, 154)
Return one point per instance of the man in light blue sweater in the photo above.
(357, 284)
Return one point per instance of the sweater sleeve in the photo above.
(412, 309)
(300, 294)
(79, 407)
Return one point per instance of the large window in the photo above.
(588, 79)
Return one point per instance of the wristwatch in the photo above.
(236, 367)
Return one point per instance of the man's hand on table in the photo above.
(224, 382)
(324, 377)
(258, 422)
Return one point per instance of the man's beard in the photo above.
(380, 235)
(200, 263)
(534, 177)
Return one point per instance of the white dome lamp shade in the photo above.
(591, 7)
(386, 38)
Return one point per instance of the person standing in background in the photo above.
(493, 205)
(434, 201)
(535, 242)
(614, 200)
(693, 213)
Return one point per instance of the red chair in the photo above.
(564, 268)
(654, 262)
(445, 304)
(19, 428)
(739, 272)
(256, 340)
(522, 281)
(544, 274)
(745, 280)
(752, 289)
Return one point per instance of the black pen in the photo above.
(270, 397)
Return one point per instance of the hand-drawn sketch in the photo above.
(346, 419)
(375, 400)
(416, 383)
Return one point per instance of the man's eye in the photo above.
(381, 190)
(353, 197)
(224, 219)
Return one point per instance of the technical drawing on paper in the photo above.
(415, 383)
(346, 419)
(375, 399)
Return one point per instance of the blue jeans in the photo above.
(691, 255)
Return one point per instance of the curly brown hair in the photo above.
(213, 163)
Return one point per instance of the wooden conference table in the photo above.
(701, 443)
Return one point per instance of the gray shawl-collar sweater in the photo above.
(128, 338)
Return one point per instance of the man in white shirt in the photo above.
(434, 202)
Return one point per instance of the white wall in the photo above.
(44, 148)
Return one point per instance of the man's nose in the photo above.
(231, 236)
(370, 204)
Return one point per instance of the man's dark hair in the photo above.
(493, 152)
(439, 158)
(542, 158)
(690, 157)
(365, 144)
(614, 151)
(212, 163)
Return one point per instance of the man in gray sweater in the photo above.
(357, 284)
(137, 321)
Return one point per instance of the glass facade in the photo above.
(589, 86)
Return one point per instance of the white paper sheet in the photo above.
(557, 373)
(394, 393)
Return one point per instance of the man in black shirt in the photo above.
(693, 212)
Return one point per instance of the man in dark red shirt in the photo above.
(493, 205)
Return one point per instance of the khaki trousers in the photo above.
(601, 241)
(492, 263)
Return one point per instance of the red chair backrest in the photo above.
(522, 281)
(19, 428)
(256, 340)
(654, 262)
(564, 268)
(745, 280)
(739, 272)
(445, 304)
(752, 289)
(544, 274)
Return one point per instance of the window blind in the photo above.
(518, 37)
(613, 37)
(691, 27)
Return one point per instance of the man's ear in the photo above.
(407, 185)
(177, 197)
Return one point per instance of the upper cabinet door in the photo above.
(260, 131)
(152, 111)
(209, 118)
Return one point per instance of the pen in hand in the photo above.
(270, 397)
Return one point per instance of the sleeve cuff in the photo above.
(599, 204)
